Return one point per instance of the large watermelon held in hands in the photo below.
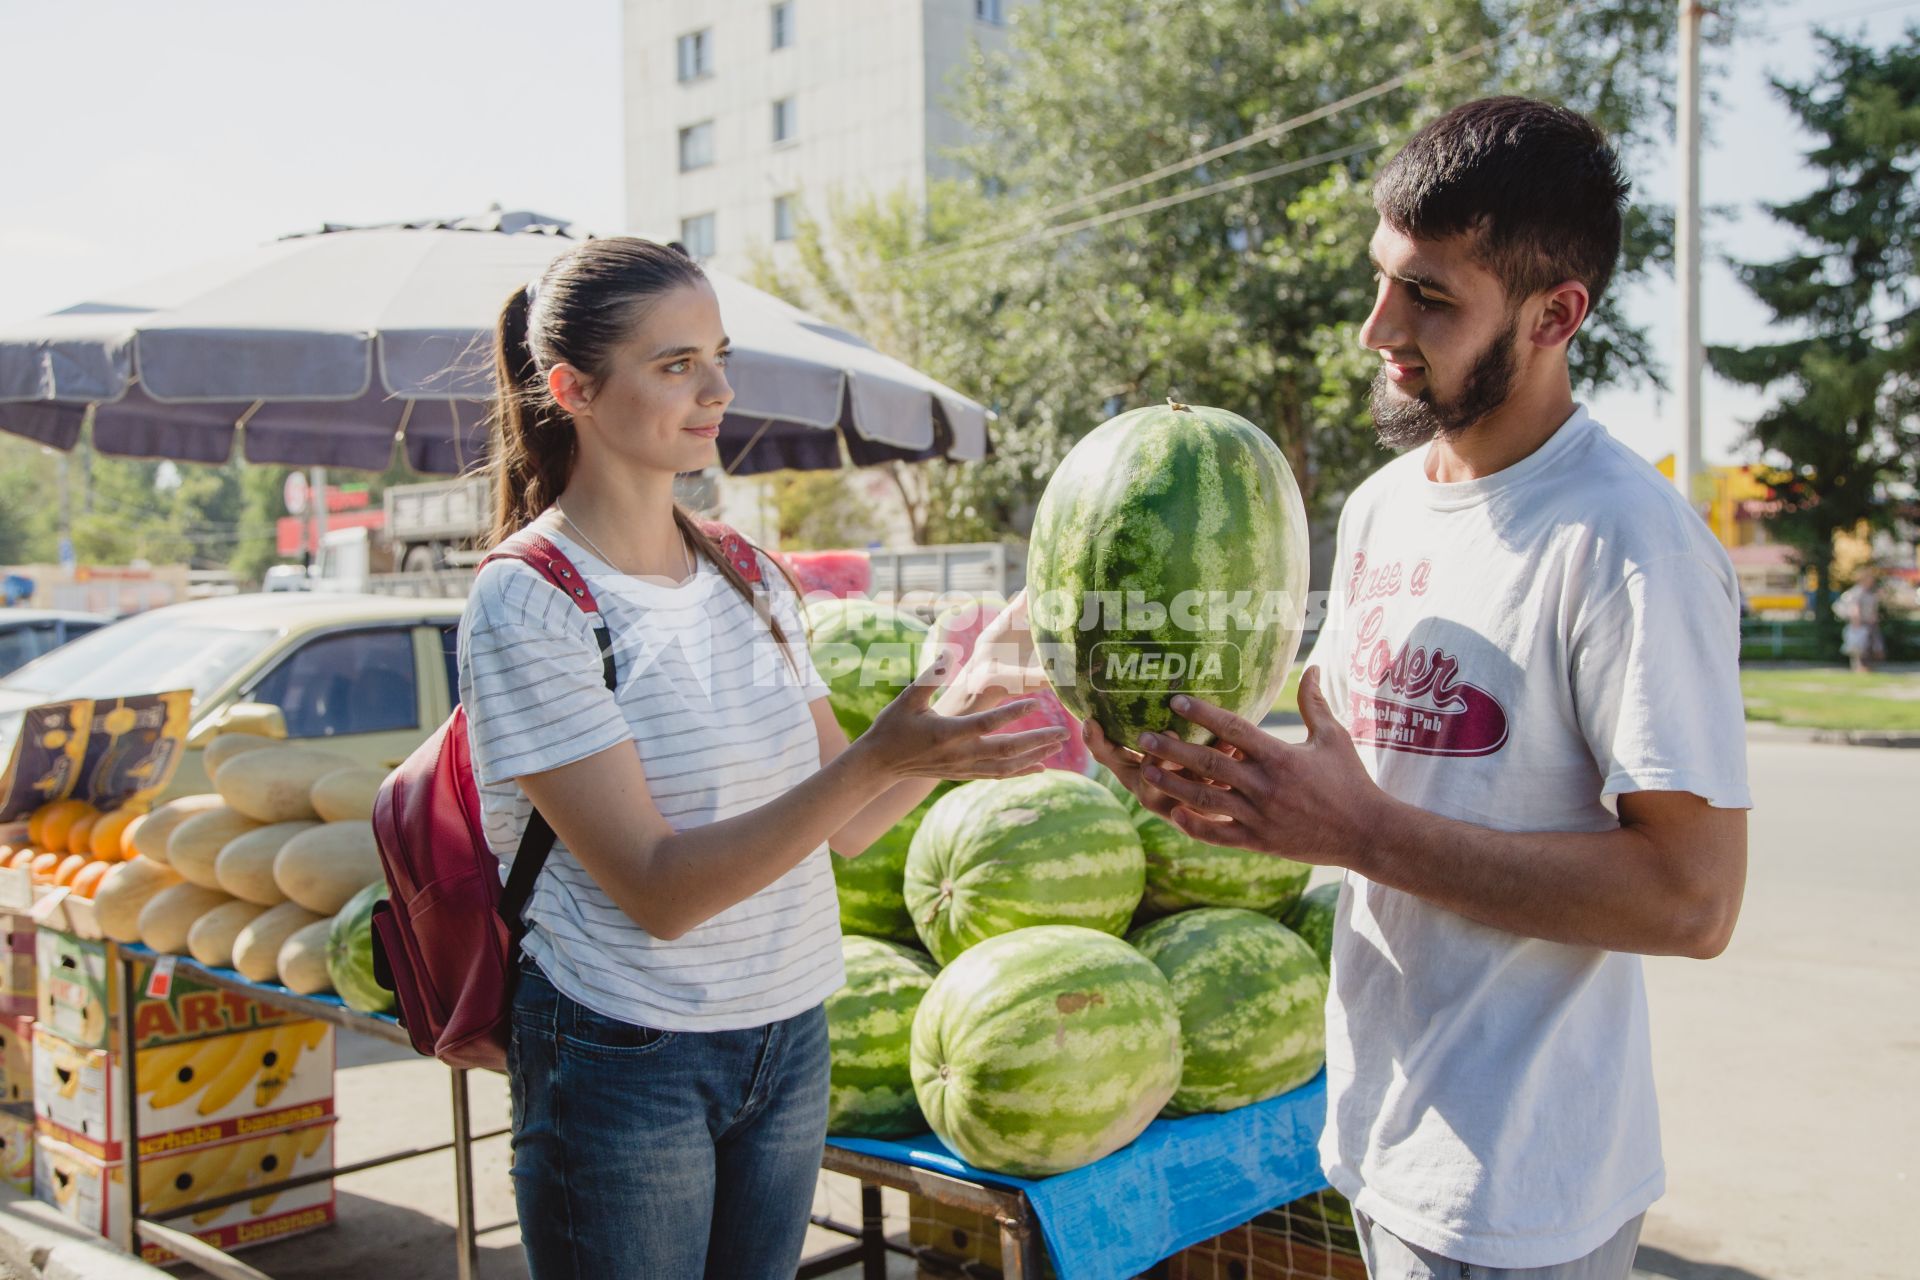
(1045, 1049)
(1168, 555)
(1252, 998)
(1007, 853)
(350, 952)
(956, 631)
(867, 653)
(870, 1028)
(872, 887)
(1183, 872)
(1312, 919)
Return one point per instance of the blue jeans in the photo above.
(662, 1155)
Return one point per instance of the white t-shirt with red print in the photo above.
(1510, 652)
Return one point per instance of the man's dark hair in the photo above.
(1538, 185)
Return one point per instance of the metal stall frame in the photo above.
(215, 1261)
(1020, 1246)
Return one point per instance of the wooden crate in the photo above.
(1310, 1239)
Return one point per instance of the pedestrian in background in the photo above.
(1859, 608)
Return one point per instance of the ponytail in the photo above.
(532, 451)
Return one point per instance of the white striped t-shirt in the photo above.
(722, 726)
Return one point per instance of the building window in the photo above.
(783, 121)
(696, 146)
(696, 55)
(993, 11)
(696, 233)
(783, 25)
(785, 213)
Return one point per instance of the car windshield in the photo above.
(148, 653)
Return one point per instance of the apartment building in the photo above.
(742, 113)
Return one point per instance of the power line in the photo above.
(1258, 136)
(1167, 202)
(1254, 139)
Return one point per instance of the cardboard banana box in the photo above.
(189, 1094)
(93, 1192)
(19, 984)
(16, 1059)
(16, 1147)
(77, 985)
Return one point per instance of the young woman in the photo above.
(669, 1054)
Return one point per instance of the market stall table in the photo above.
(1182, 1181)
(132, 958)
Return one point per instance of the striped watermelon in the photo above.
(350, 952)
(956, 631)
(1006, 853)
(871, 887)
(1183, 872)
(867, 653)
(870, 1027)
(1044, 1049)
(1252, 999)
(1312, 919)
(1169, 555)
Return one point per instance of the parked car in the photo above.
(286, 577)
(369, 675)
(25, 634)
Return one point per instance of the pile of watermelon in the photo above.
(1037, 967)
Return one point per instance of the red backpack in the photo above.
(447, 940)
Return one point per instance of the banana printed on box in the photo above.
(93, 1192)
(16, 1146)
(192, 1094)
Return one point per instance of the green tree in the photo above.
(29, 503)
(819, 510)
(866, 266)
(1058, 311)
(1844, 432)
(256, 540)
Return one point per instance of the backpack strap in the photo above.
(536, 843)
(738, 551)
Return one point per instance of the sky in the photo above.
(145, 137)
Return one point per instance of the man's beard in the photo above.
(1402, 421)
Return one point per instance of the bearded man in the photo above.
(1526, 748)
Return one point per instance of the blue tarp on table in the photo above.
(1180, 1182)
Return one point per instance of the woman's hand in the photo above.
(913, 739)
(1002, 666)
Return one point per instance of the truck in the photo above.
(438, 524)
(434, 532)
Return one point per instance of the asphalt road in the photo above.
(1787, 1069)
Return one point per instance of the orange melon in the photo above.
(80, 834)
(90, 876)
(56, 822)
(109, 832)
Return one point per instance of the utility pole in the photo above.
(1687, 463)
(317, 482)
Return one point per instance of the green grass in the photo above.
(1832, 698)
(1809, 697)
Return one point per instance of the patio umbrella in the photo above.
(320, 348)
